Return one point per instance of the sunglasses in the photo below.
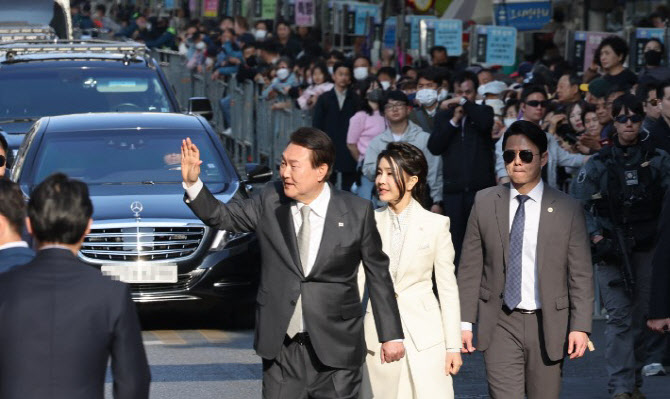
(535, 103)
(2, 161)
(626, 118)
(526, 156)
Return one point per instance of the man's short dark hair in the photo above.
(660, 90)
(323, 149)
(627, 102)
(617, 44)
(390, 71)
(462, 77)
(269, 46)
(12, 205)
(528, 90)
(643, 89)
(336, 54)
(102, 8)
(573, 79)
(432, 74)
(531, 131)
(59, 210)
(434, 49)
(341, 64)
(485, 70)
(395, 95)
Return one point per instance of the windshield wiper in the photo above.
(18, 120)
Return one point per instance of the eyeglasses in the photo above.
(2, 161)
(626, 118)
(526, 156)
(535, 103)
(391, 106)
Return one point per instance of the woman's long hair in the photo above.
(405, 157)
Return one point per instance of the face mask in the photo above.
(260, 34)
(375, 95)
(442, 95)
(411, 97)
(426, 97)
(509, 121)
(282, 73)
(310, 81)
(330, 70)
(385, 84)
(200, 46)
(251, 61)
(652, 57)
(360, 73)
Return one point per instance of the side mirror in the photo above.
(257, 173)
(201, 106)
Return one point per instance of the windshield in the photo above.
(125, 157)
(48, 92)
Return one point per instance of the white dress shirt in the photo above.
(530, 291)
(14, 244)
(317, 219)
(341, 96)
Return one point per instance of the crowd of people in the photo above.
(456, 140)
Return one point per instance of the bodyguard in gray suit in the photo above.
(525, 275)
(309, 318)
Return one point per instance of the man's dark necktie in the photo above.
(513, 276)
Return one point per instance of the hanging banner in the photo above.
(442, 32)
(389, 39)
(356, 15)
(268, 9)
(522, 14)
(210, 8)
(640, 39)
(495, 45)
(412, 30)
(304, 12)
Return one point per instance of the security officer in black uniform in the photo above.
(622, 188)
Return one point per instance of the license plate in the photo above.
(142, 272)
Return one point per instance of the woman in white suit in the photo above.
(417, 242)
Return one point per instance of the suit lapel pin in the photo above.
(340, 224)
(550, 209)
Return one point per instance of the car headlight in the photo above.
(223, 238)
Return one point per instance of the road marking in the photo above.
(169, 337)
(215, 336)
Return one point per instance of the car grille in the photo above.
(141, 243)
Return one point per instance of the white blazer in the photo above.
(430, 327)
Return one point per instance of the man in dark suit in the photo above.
(13, 250)
(462, 136)
(309, 324)
(332, 112)
(659, 306)
(525, 275)
(60, 319)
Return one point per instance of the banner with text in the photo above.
(442, 32)
(494, 45)
(522, 14)
(304, 12)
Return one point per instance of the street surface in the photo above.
(190, 358)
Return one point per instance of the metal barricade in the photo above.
(258, 133)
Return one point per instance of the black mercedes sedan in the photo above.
(143, 233)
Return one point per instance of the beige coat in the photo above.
(430, 327)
